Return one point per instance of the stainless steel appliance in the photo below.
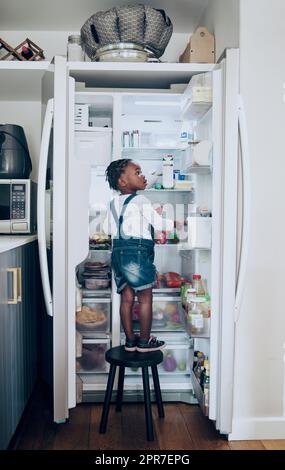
(17, 206)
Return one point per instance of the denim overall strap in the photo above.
(119, 220)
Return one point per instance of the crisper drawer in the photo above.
(167, 314)
(176, 359)
(94, 316)
(93, 356)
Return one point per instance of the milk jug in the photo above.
(168, 172)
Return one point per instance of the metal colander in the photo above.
(140, 25)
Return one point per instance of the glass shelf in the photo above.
(178, 148)
(152, 190)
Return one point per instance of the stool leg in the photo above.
(107, 399)
(120, 389)
(157, 391)
(147, 404)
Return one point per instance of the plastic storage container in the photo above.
(198, 317)
(94, 316)
(176, 359)
(200, 232)
(93, 356)
(167, 314)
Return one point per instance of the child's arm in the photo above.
(154, 218)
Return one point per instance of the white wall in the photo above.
(221, 17)
(260, 370)
(55, 42)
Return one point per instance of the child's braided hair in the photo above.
(114, 171)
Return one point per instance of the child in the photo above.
(133, 221)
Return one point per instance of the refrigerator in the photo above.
(84, 128)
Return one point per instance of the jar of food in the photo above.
(198, 316)
(74, 48)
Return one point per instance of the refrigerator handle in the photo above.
(246, 220)
(41, 206)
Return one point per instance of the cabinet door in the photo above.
(23, 331)
(7, 310)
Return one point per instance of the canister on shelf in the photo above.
(135, 139)
(74, 48)
(126, 139)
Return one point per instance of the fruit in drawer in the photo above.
(169, 362)
(181, 366)
(170, 309)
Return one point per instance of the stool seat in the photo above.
(120, 357)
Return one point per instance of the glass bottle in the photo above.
(198, 285)
(207, 389)
(74, 48)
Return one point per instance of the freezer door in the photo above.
(226, 88)
(53, 231)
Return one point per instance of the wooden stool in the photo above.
(119, 357)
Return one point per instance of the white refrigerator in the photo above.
(71, 185)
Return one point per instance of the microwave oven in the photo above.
(17, 206)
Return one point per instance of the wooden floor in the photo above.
(183, 428)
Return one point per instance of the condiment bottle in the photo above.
(198, 285)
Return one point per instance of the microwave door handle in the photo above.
(41, 207)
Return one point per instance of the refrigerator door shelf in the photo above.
(199, 394)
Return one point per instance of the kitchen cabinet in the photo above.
(18, 335)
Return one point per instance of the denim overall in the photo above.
(132, 258)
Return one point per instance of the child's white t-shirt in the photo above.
(138, 217)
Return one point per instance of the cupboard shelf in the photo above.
(134, 75)
(13, 74)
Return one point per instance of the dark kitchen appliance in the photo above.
(15, 161)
